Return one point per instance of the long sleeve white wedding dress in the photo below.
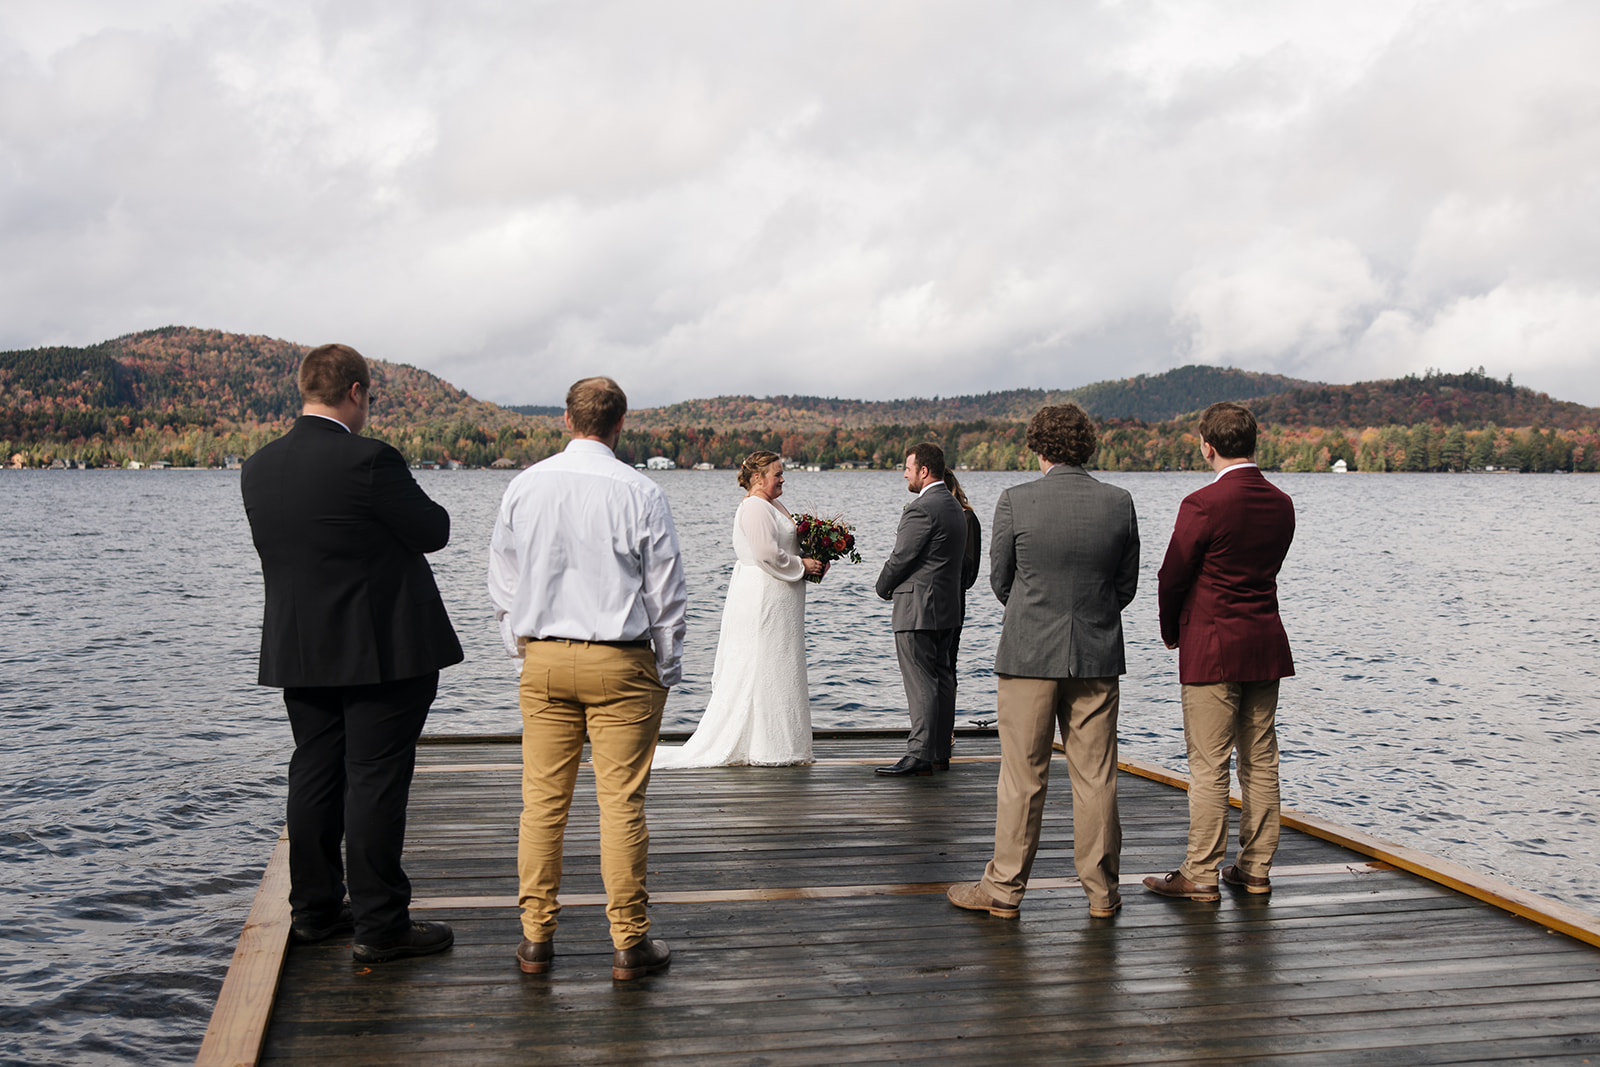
(759, 713)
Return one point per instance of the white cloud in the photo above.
(1283, 295)
(1530, 331)
(830, 198)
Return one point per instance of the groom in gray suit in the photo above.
(922, 576)
(1064, 559)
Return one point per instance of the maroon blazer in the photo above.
(1218, 585)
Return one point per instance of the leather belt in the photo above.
(642, 642)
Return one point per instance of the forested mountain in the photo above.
(1149, 398)
(1473, 400)
(193, 397)
(162, 392)
(207, 374)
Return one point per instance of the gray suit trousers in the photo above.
(930, 680)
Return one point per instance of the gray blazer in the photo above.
(1064, 559)
(923, 573)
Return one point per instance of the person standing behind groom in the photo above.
(1064, 559)
(588, 588)
(1218, 593)
(355, 633)
(922, 576)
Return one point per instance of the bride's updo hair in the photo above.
(754, 466)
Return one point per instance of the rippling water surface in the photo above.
(1446, 631)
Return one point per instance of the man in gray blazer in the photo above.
(1064, 559)
(922, 576)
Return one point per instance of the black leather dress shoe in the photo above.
(638, 960)
(304, 932)
(907, 767)
(420, 939)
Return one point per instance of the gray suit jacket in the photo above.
(1064, 559)
(923, 573)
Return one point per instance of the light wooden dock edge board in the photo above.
(1552, 914)
(840, 892)
(238, 1024)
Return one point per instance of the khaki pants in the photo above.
(1219, 719)
(570, 688)
(1031, 710)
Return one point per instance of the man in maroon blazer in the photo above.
(1218, 595)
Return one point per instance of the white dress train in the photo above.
(759, 713)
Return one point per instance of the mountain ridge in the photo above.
(194, 396)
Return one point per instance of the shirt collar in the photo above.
(593, 448)
(1231, 467)
(932, 485)
(330, 418)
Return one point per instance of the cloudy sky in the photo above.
(873, 199)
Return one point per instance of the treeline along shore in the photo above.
(203, 398)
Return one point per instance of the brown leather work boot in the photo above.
(640, 959)
(534, 956)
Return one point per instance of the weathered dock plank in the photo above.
(805, 911)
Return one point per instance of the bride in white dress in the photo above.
(759, 713)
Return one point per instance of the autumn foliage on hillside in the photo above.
(195, 397)
(1151, 398)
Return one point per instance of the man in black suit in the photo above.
(922, 576)
(355, 633)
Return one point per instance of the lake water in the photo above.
(1446, 630)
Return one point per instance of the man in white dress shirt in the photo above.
(588, 588)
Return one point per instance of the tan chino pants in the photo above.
(612, 694)
(1031, 712)
(1219, 719)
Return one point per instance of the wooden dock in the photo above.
(806, 913)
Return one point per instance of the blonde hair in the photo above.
(754, 466)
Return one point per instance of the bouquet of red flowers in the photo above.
(825, 540)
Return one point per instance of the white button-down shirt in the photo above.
(584, 548)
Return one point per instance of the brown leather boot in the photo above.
(534, 956)
(637, 960)
(1176, 885)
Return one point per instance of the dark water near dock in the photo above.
(1446, 629)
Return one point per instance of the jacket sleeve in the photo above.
(403, 508)
(910, 541)
(1128, 567)
(1185, 553)
(973, 552)
(1002, 550)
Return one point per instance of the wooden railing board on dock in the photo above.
(1347, 961)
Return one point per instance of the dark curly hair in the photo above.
(1063, 433)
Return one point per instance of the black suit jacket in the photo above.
(341, 527)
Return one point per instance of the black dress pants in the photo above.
(350, 778)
